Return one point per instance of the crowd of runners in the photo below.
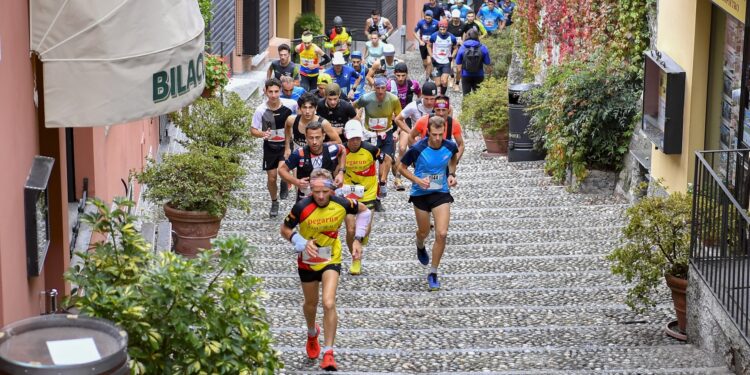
(339, 123)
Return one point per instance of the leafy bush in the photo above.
(486, 108)
(307, 21)
(198, 180)
(209, 122)
(500, 45)
(186, 316)
(656, 242)
(584, 115)
(217, 73)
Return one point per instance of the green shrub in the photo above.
(656, 242)
(486, 108)
(307, 21)
(500, 46)
(584, 114)
(182, 316)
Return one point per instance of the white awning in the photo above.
(112, 61)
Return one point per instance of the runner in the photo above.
(491, 17)
(319, 256)
(289, 90)
(379, 24)
(311, 58)
(373, 49)
(473, 23)
(455, 28)
(284, 65)
(405, 89)
(381, 107)
(342, 74)
(462, 9)
(268, 123)
(336, 110)
(452, 128)
(339, 39)
(435, 160)
(472, 60)
(324, 79)
(360, 182)
(436, 9)
(424, 30)
(409, 116)
(507, 7)
(315, 154)
(384, 67)
(294, 128)
(442, 49)
(355, 61)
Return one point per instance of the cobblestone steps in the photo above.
(525, 285)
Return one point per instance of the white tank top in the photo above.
(381, 27)
(442, 49)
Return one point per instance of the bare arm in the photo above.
(403, 169)
(460, 143)
(288, 135)
(270, 72)
(371, 73)
(388, 28)
(400, 121)
(286, 174)
(414, 135)
(331, 132)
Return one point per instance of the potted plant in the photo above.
(486, 110)
(656, 245)
(215, 123)
(182, 316)
(196, 188)
(217, 74)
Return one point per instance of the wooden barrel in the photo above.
(63, 345)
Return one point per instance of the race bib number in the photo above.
(489, 23)
(351, 191)
(436, 181)
(378, 124)
(324, 255)
(306, 61)
(426, 38)
(277, 135)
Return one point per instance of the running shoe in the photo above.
(356, 267)
(422, 256)
(432, 282)
(398, 184)
(283, 190)
(382, 191)
(328, 363)
(312, 346)
(274, 209)
(378, 206)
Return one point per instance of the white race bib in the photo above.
(378, 124)
(436, 181)
(324, 255)
(277, 135)
(489, 22)
(426, 38)
(351, 191)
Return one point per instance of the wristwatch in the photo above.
(452, 174)
(359, 238)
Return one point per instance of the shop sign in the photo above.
(734, 7)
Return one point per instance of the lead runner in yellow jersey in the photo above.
(318, 248)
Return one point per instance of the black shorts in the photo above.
(386, 145)
(429, 201)
(441, 69)
(423, 52)
(273, 153)
(308, 276)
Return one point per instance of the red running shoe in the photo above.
(313, 347)
(328, 363)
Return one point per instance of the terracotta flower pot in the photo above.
(679, 297)
(497, 144)
(191, 230)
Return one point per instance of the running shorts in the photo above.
(423, 52)
(441, 69)
(429, 201)
(308, 276)
(272, 155)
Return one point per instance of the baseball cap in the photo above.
(443, 23)
(428, 12)
(307, 38)
(381, 81)
(353, 129)
(338, 58)
(324, 78)
(356, 55)
(401, 68)
(388, 50)
(429, 89)
(333, 89)
(456, 13)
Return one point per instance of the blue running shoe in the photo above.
(432, 282)
(422, 256)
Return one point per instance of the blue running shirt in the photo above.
(431, 162)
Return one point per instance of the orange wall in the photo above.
(18, 145)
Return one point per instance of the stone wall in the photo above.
(711, 329)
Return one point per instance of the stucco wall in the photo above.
(684, 31)
(18, 145)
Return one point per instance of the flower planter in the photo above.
(192, 231)
(497, 145)
(679, 290)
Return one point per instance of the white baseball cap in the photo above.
(456, 13)
(353, 129)
(388, 50)
(338, 58)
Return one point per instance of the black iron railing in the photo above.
(720, 234)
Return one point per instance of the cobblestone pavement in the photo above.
(526, 289)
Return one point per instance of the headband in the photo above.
(442, 104)
(381, 81)
(322, 182)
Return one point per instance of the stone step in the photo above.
(672, 359)
(259, 192)
(452, 295)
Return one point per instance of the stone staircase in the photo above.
(526, 289)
